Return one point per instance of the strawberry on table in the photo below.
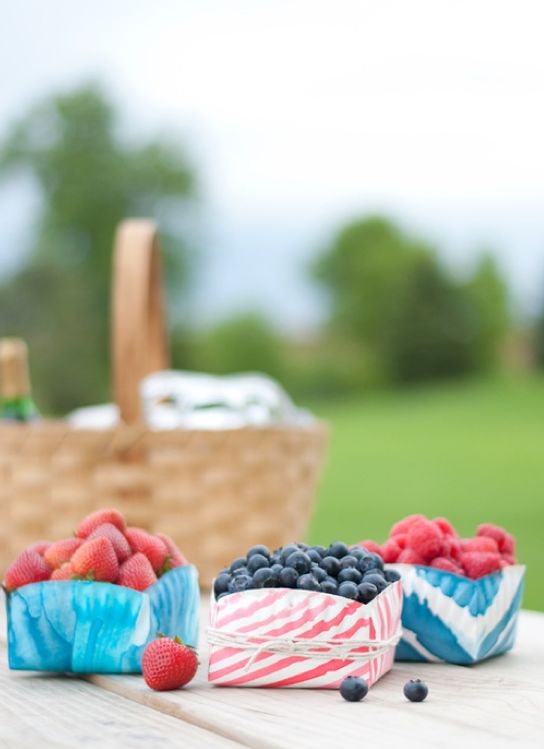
(61, 551)
(29, 567)
(118, 540)
(168, 663)
(96, 560)
(66, 572)
(175, 557)
(98, 518)
(154, 548)
(137, 572)
(40, 547)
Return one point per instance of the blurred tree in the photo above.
(412, 319)
(246, 342)
(89, 178)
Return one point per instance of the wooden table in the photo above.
(497, 704)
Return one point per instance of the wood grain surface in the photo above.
(499, 703)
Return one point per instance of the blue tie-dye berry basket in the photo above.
(93, 627)
(451, 618)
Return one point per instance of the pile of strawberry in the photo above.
(436, 543)
(103, 549)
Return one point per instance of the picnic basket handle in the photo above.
(138, 334)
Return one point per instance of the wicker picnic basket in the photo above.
(215, 492)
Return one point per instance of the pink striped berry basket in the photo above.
(277, 637)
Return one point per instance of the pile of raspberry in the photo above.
(103, 549)
(436, 543)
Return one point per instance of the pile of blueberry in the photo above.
(352, 572)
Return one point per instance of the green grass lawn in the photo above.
(473, 452)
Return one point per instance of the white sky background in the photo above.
(301, 115)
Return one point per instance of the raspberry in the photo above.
(451, 547)
(401, 539)
(426, 539)
(445, 526)
(371, 546)
(390, 551)
(404, 525)
(441, 563)
(508, 559)
(409, 556)
(479, 563)
(508, 545)
(492, 531)
(481, 543)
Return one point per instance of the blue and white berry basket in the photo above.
(453, 619)
(92, 627)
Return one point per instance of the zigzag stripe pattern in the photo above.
(446, 617)
(286, 614)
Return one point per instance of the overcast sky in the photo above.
(301, 115)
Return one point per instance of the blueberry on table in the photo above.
(308, 582)
(240, 571)
(331, 565)
(240, 583)
(358, 552)
(392, 576)
(415, 690)
(353, 688)
(320, 550)
(351, 574)
(319, 574)
(367, 592)
(348, 561)
(377, 580)
(221, 583)
(328, 586)
(314, 555)
(240, 562)
(348, 590)
(299, 561)
(378, 561)
(259, 549)
(256, 562)
(365, 564)
(286, 551)
(276, 569)
(338, 550)
(264, 578)
(288, 577)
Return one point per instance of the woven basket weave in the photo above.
(215, 492)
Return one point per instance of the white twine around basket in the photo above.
(340, 648)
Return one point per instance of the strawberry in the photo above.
(479, 563)
(175, 558)
(168, 664)
(40, 547)
(441, 563)
(371, 546)
(96, 560)
(409, 556)
(29, 567)
(118, 541)
(98, 518)
(154, 549)
(425, 538)
(61, 551)
(391, 550)
(66, 572)
(137, 572)
(404, 525)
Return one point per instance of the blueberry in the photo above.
(300, 561)
(314, 555)
(392, 576)
(275, 558)
(239, 583)
(338, 550)
(348, 590)
(319, 574)
(328, 586)
(259, 549)
(415, 690)
(276, 569)
(240, 571)
(349, 573)
(240, 562)
(256, 562)
(378, 561)
(320, 550)
(331, 565)
(376, 580)
(353, 688)
(367, 592)
(367, 563)
(286, 551)
(302, 546)
(288, 577)
(221, 583)
(308, 582)
(348, 561)
(264, 578)
(358, 552)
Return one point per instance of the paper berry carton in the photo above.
(450, 618)
(95, 627)
(280, 637)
